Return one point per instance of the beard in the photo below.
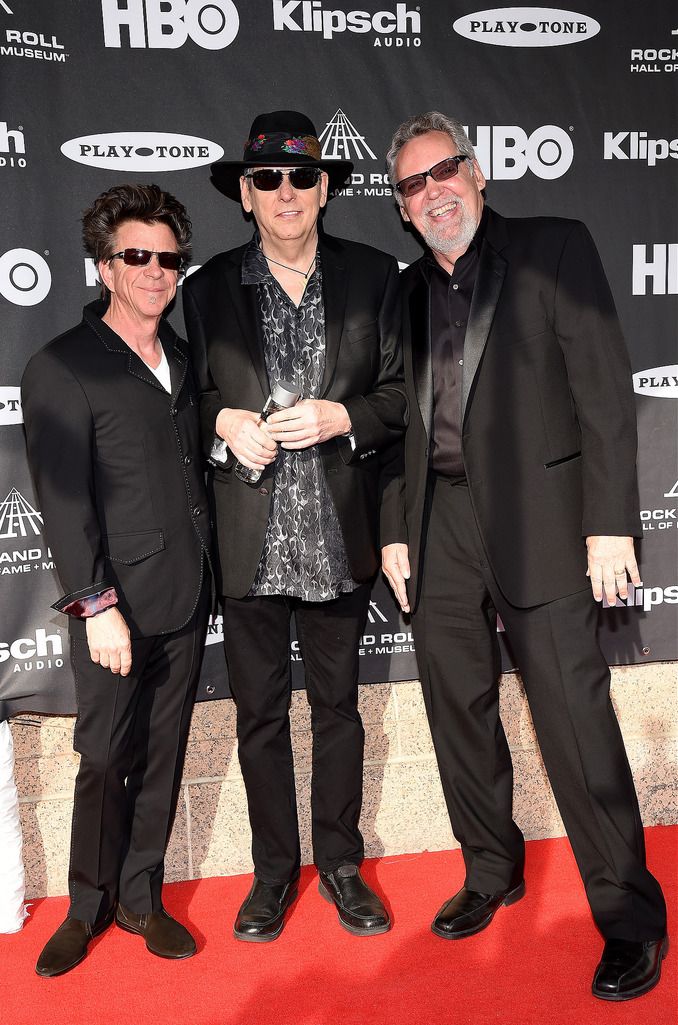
(450, 240)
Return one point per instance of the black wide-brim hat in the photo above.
(281, 138)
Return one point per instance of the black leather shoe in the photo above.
(469, 911)
(262, 915)
(629, 969)
(68, 946)
(164, 936)
(360, 910)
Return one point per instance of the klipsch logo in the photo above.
(399, 27)
(25, 277)
(657, 382)
(167, 24)
(658, 264)
(12, 146)
(10, 405)
(526, 26)
(637, 146)
(41, 651)
(142, 151)
(506, 152)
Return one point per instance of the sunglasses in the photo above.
(440, 172)
(268, 179)
(142, 257)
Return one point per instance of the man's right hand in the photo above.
(109, 641)
(396, 566)
(246, 437)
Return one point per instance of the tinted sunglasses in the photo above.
(142, 257)
(268, 179)
(440, 172)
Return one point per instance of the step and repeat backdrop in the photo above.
(572, 112)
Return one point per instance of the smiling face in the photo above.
(140, 293)
(286, 215)
(446, 214)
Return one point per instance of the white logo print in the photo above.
(212, 24)
(339, 137)
(506, 152)
(673, 493)
(25, 277)
(311, 16)
(142, 151)
(18, 518)
(10, 406)
(526, 26)
(661, 268)
(637, 146)
(657, 382)
(13, 144)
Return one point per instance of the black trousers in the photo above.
(131, 734)
(257, 643)
(566, 679)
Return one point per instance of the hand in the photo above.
(610, 558)
(243, 432)
(308, 423)
(395, 564)
(109, 643)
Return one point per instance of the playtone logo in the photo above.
(506, 152)
(661, 268)
(526, 26)
(657, 382)
(142, 151)
(311, 16)
(637, 146)
(167, 24)
(10, 405)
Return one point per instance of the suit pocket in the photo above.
(565, 459)
(133, 547)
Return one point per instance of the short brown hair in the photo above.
(147, 203)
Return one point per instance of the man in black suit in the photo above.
(519, 481)
(322, 314)
(112, 429)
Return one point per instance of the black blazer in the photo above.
(117, 468)
(363, 369)
(548, 413)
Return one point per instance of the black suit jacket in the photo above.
(548, 418)
(117, 467)
(363, 369)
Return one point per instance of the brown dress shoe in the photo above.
(164, 936)
(68, 946)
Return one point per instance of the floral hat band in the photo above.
(281, 142)
(279, 138)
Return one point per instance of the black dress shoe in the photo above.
(68, 946)
(629, 969)
(360, 910)
(262, 915)
(164, 936)
(469, 911)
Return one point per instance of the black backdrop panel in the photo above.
(572, 112)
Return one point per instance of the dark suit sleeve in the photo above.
(378, 418)
(60, 443)
(599, 375)
(210, 398)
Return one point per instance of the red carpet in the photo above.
(533, 966)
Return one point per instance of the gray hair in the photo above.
(421, 124)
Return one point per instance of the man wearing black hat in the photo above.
(322, 315)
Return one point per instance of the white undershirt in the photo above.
(162, 372)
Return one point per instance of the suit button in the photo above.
(197, 510)
(174, 411)
(187, 460)
(263, 491)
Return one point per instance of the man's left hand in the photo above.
(610, 558)
(308, 423)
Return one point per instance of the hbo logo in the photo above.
(507, 151)
(212, 24)
(25, 277)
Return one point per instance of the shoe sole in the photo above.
(511, 898)
(353, 929)
(95, 932)
(269, 937)
(156, 953)
(642, 990)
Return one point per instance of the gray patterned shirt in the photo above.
(304, 554)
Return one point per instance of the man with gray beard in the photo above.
(518, 482)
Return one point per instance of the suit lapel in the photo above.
(420, 327)
(489, 281)
(244, 298)
(335, 287)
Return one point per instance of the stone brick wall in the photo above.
(403, 808)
